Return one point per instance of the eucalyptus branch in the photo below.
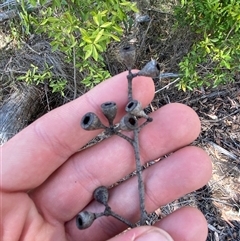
(141, 188)
(124, 137)
(130, 77)
(129, 122)
(145, 123)
(108, 212)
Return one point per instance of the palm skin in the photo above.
(46, 181)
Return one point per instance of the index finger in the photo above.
(32, 155)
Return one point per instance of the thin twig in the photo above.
(158, 11)
(165, 87)
(34, 51)
(223, 151)
(124, 137)
(168, 75)
(46, 90)
(8, 3)
(108, 212)
(130, 77)
(144, 36)
(225, 117)
(135, 143)
(145, 123)
(141, 189)
(230, 30)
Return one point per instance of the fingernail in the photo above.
(156, 235)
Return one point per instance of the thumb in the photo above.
(144, 233)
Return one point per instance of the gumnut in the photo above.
(134, 107)
(90, 121)
(109, 109)
(151, 69)
(101, 195)
(127, 56)
(128, 123)
(85, 219)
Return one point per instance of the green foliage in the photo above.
(80, 29)
(214, 58)
(33, 75)
(58, 86)
(94, 77)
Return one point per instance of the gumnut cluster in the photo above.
(129, 122)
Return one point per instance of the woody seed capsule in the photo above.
(109, 109)
(134, 107)
(90, 121)
(85, 219)
(127, 56)
(101, 195)
(128, 123)
(151, 69)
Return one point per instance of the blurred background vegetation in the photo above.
(88, 34)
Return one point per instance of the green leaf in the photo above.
(96, 19)
(106, 25)
(183, 87)
(87, 39)
(94, 53)
(118, 29)
(33, 2)
(69, 17)
(127, 4)
(226, 64)
(116, 38)
(207, 49)
(21, 78)
(99, 35)
(214, 40)
(89, 51)
(83, 32)
(82, 44)
(99, 47)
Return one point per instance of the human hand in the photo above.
(46, 181)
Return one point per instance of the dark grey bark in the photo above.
(19, 110)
